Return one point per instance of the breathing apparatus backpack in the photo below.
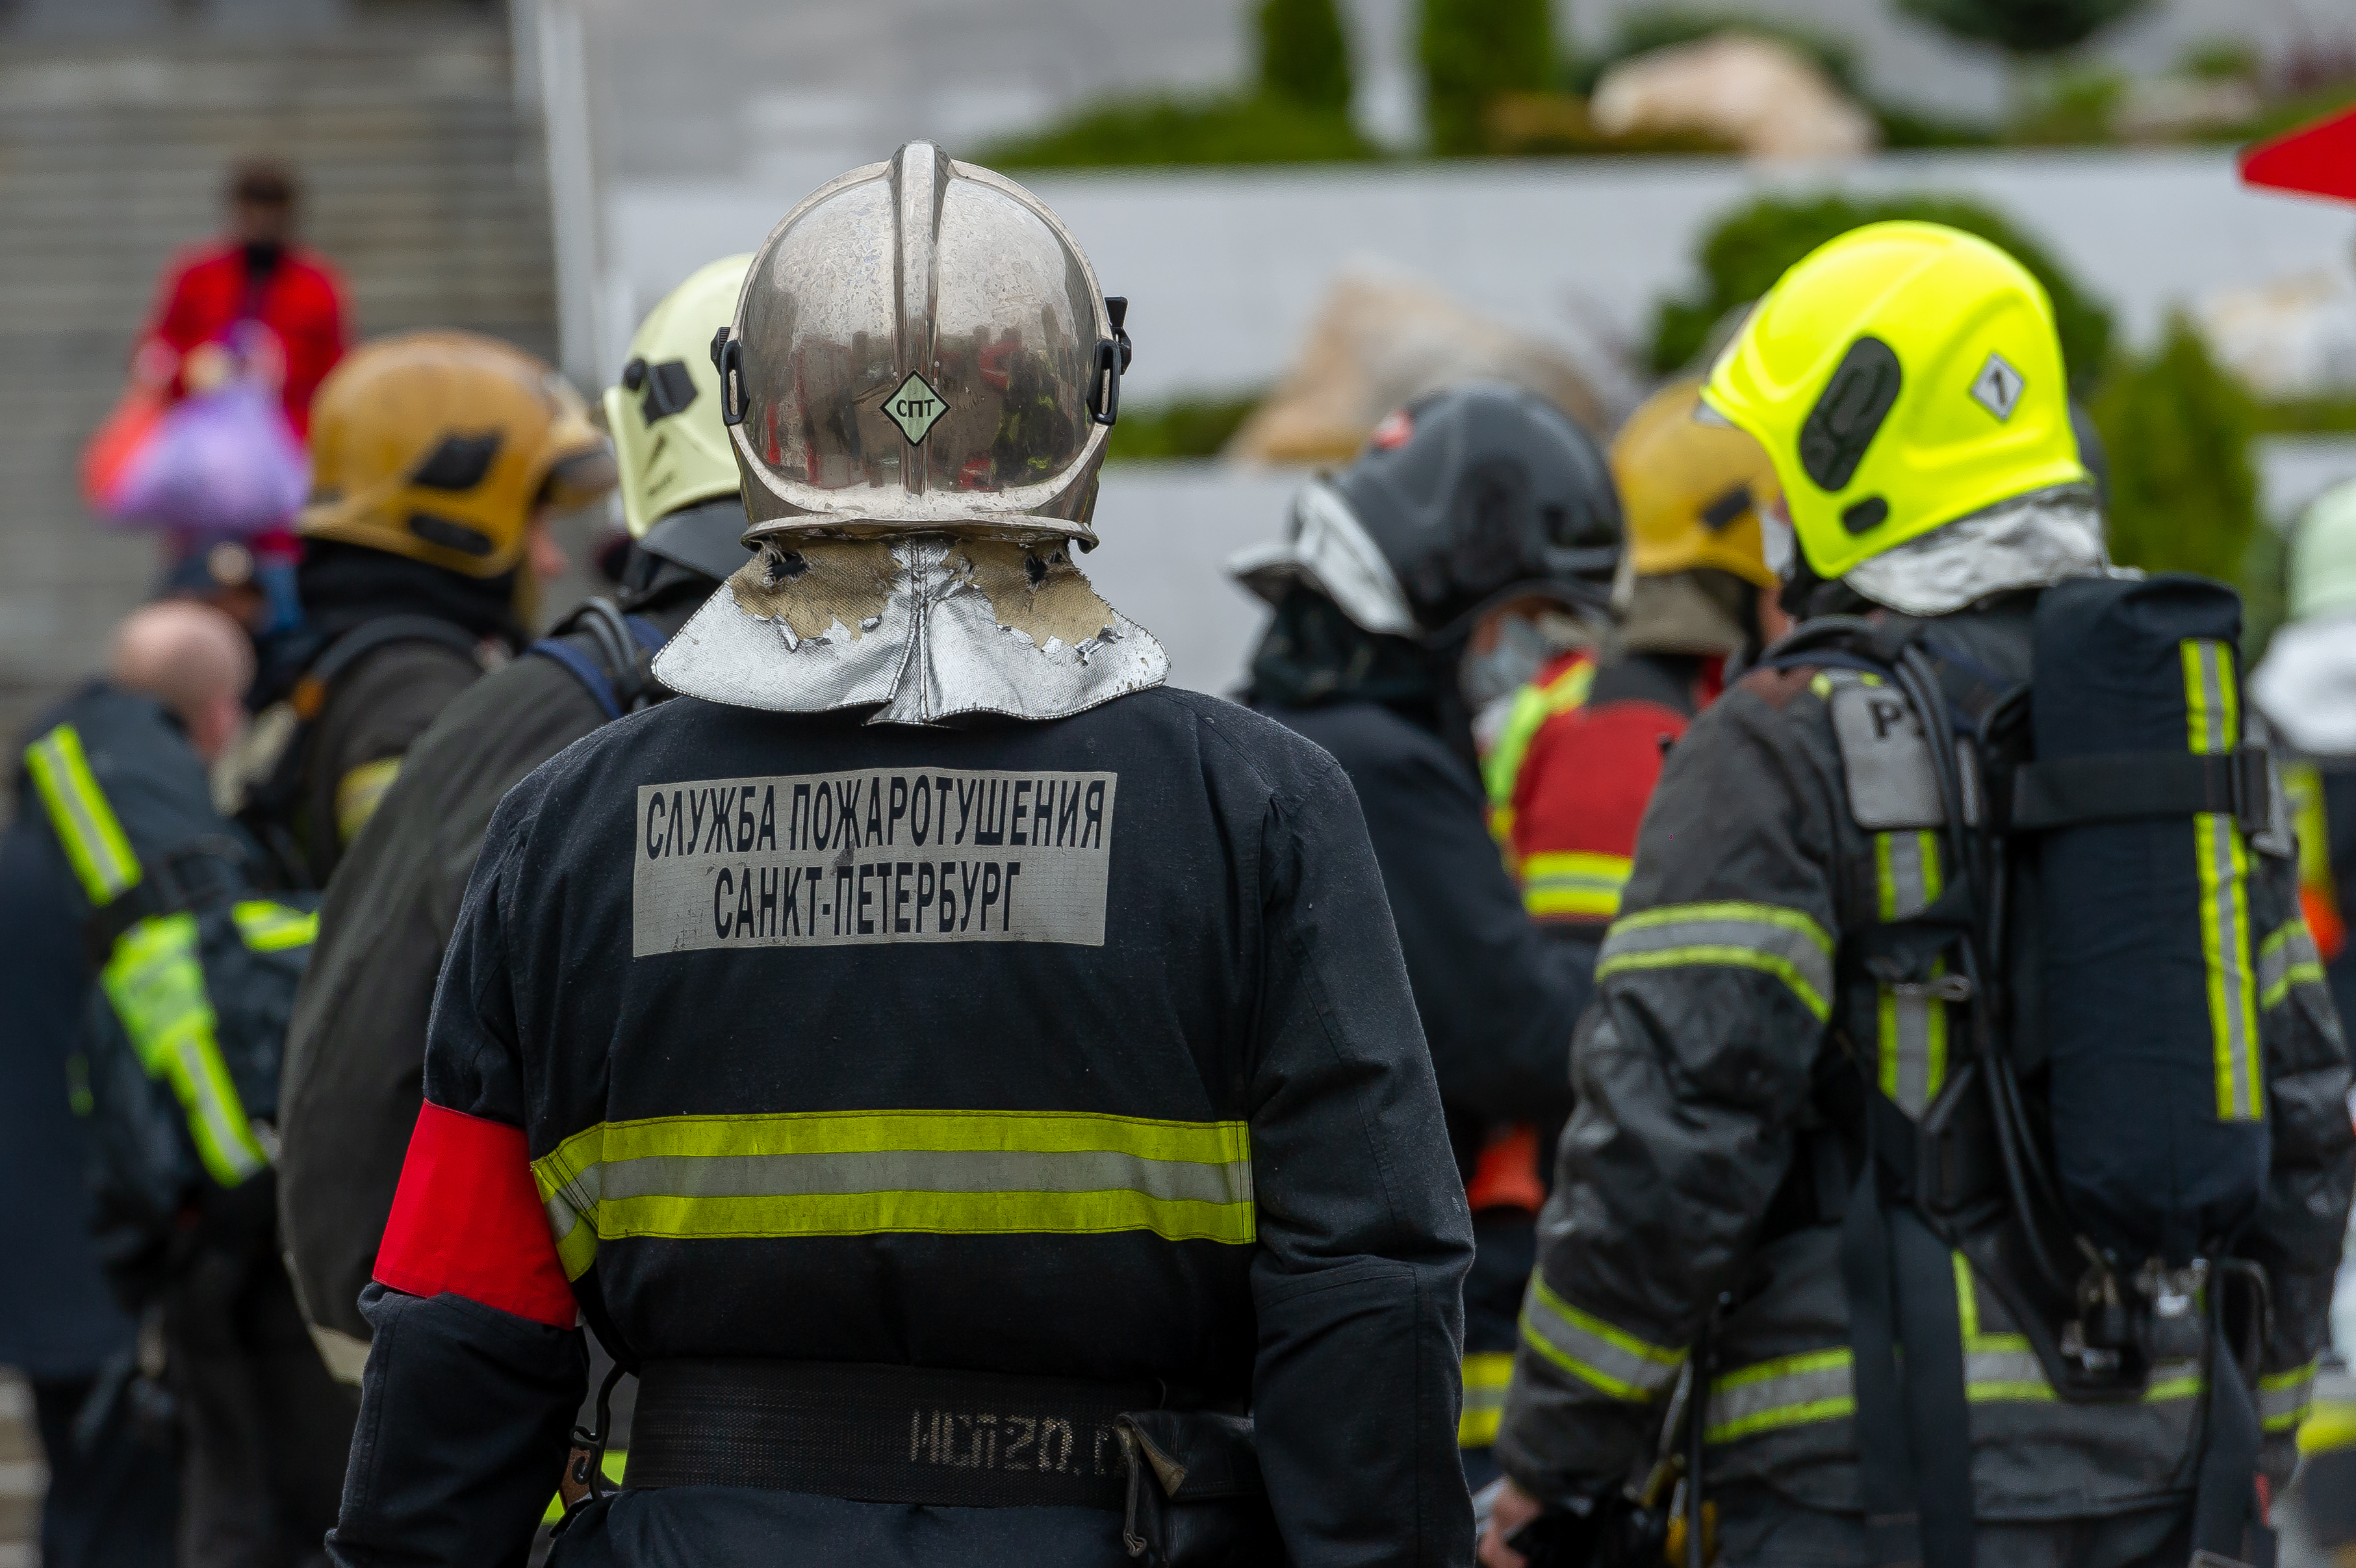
(2099, 1137)
(195, 972)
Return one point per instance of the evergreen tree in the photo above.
(1474, 51)
(1303, 55)
(2023, 27)
(2183, 492)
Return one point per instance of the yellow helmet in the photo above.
(669, 442)
(1901, 376)
(439, 446)
(1691, 488)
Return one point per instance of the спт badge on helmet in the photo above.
(440, 445)
(679, 478)
(918, 384)
(1902, 377)
(920, 345)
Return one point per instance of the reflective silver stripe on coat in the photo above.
(2212, 719)
(1595, 1351)
(1791, 1390)
(2288, 958)
(1911, 1027)
(1780, 941)
(2284, 1397)
(905, 1170)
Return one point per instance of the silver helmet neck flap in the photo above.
(919, 383)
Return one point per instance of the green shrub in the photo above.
(1474, 51)
(2332, 414)
(2076, 109)
(1182, 427)
(1260, 130)
(1557, 125)
(1903, 127)
(2023, 27)
(2290, 114)
(2183, 491)
(1748, 251)
(1641, 32)
(1303, 55)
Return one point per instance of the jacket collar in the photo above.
(923, 627)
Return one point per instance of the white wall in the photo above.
(1166, 527)
(1224, 268)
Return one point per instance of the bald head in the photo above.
(192, 658)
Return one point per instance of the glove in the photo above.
(1610, 1531)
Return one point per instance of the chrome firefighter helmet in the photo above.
(920, 347)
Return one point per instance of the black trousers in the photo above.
(264, 1430)
(111, 1501)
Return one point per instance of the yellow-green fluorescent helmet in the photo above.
(1901, 376)
(2323, 555)
(665, 415)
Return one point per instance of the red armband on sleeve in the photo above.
(468, 1220)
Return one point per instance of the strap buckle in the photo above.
(1942, 988)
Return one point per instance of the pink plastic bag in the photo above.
(222, 463)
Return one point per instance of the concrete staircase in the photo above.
(423, 185)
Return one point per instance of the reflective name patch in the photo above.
(830, 859)
(1890, 780)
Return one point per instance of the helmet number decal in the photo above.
(915, 408)
(1848, 415)
(1998, 386)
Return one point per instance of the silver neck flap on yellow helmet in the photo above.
(918, 382)
(2023, 541)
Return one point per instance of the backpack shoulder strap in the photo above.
(610, 653)
(311, 691)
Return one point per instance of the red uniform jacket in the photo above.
(206, 290)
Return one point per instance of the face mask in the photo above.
(1516, 656)
(1776, 545)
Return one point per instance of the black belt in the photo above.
(873, 1433)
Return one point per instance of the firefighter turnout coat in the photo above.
(1076, 1049)
(1731, 1002)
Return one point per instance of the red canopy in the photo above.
(2318, 159)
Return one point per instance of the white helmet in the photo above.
(921, 348)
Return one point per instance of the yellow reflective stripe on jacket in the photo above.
(2286, 959)
(2000, 1368)
(1779, 941)
(1487, 1375)
(2284, 1398)
(1572, 884)
(158, 989)
(859, 1173)
(1596, 1352)
(1911, 1030)
(1789, 1390)
(1819, 1385)
(267, 926)
(2212, 719)
(1532, 707)
(359, 793)
(94, 842)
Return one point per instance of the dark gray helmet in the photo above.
(1483, 492)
